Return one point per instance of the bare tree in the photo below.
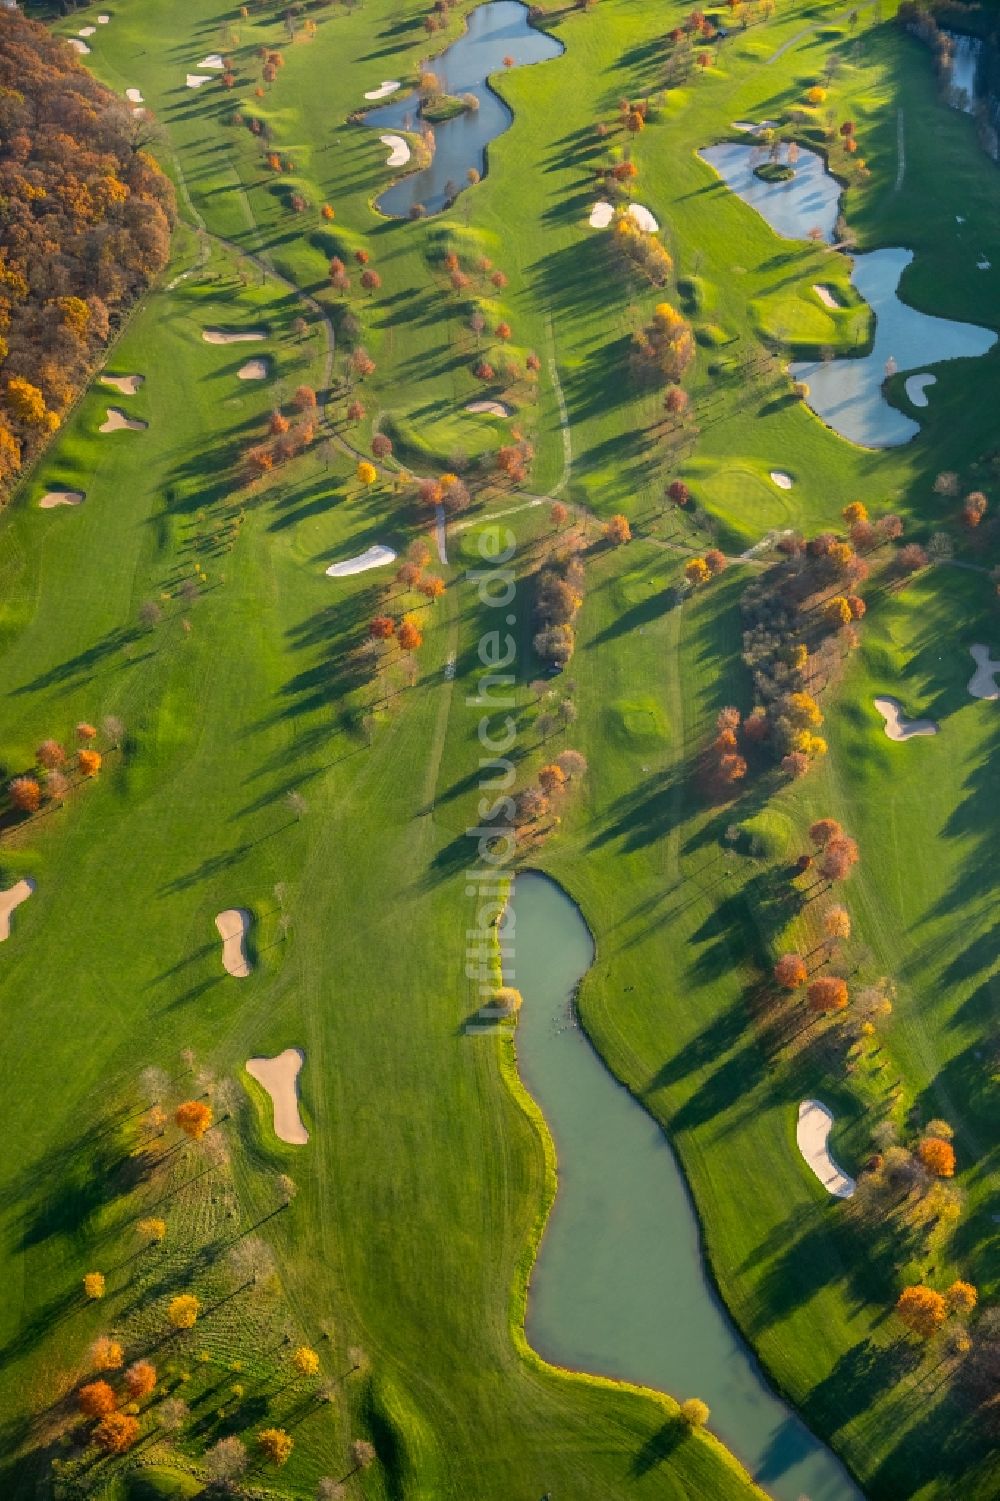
(226, 1460)
(172, 1413)
(251, 1261)
(114, 730)
(297, 803)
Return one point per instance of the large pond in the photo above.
(619, 1287)
(496, 31)
(848, 392)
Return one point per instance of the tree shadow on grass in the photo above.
(659, 1447)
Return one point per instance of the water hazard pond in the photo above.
(619, 1288)
(495, 31)
(847, 392)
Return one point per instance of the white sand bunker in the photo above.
(220, 336)
(233, 926)
(916, 388)
(11, 898)
(982, 683)
(128, 385)
(280, 1077)
(825, 296)
(399, 151)
(116, 420)
(195, 80)
(213, 60)
(54, 498)
(103, 20)
(77, 45)
(781, 479)
(252, 370)
(643, 218)
(811, 1134)
(897, 726)
(134, 96)
(601, 215)
(490, 408)
(86, 31)
(372, 557)
(387, 86)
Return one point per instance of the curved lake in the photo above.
(847, 392)
(497, 30)
(619, 1287)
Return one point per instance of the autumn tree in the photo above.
(572, 764)
(51, 755)
(409, 635)
(507, 999)
(552, 779)
(151, 1231)
(96, 1399)
(367, 473)
(93, 1285)
(305, 1361)
(194, 1118)
(25, 794)
(790, 971)
(823, 830)
(922, 1310)
(226, 1460)
(839, 857)
(183, 1311)
(106, 1354)
(140, 1380)
(836, 924)
(88, 762)
(827, 993)
(276, 1445)
(382, 627)
(697, 571)
(694, 1413)
(362, 1453)
(961, 1298)
(937, 1156)
(617, 530)
(974, 509)
(116, 1433)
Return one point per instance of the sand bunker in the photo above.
(195, 80)
(280, 1077)
(982, 683)
(897, 726)
(490, 408)
(10, 899)
(387, 86)
(372, 557)
(134, 96)
(128, 385)
(643, 218)
(601, 215)
(86, 31)
(233, 926)
(916, 388)
(116, 420)
(213, 60)
(103, 20)
(825, 296)
(55, 498)
(77, 45)
(811, 1134)
(781, 479)
(252, 370)
(399, 151)
(220, 336)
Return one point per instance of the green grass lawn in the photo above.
(421, 1186)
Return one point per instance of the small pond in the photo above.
(619, 1287)
(847, 392)
(497, 30)
(810, 198)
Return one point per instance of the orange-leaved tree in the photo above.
(140, 1379)
(194, 1118)
(106, 1354)
(26, 794)
(88, 762)
(116, 1433)
(95, 1399)
(961, 1297)
(921, 1309)
(937, 1156)
(791, 972)
(93, 1285)
(828, 993)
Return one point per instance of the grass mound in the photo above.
(637, 722)
(158, 1483)
(768, 835)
